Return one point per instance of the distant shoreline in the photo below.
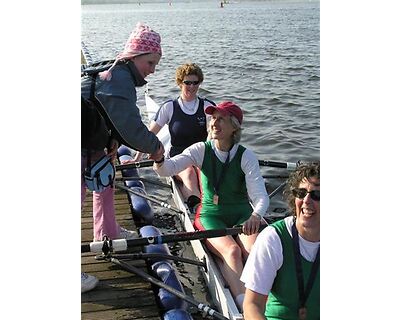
(83, 2)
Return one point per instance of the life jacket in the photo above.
(186, 129)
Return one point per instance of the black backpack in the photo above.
(95, 127)
(94, 132)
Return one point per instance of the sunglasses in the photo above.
(301, 193)
(188, 83)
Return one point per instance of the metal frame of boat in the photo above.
(220, 293)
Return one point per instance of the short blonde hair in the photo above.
(188, 69)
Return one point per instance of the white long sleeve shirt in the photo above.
(194, 155)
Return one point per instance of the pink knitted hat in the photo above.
(141, 41)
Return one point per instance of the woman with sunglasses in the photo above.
(282, 272)
(186, 121)
(229, 177)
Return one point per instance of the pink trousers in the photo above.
(104, 222)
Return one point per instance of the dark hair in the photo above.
(304, 170)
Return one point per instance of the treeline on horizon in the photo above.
(140, 1)
(162, 1)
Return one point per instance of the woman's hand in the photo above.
(159, 154)
(252, 224)
(112, 149)
(127, 161)
(138, 156)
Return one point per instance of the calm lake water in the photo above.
(262, 55)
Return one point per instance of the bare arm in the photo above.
(154, 127)
(254, 305)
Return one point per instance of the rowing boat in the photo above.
(219, 291)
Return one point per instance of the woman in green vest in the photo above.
(229, 177)
(282, 272)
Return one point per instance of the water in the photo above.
(262, 55)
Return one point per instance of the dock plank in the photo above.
(120, 295)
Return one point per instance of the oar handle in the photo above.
(140, 164)
(123, 244)
(286, 165)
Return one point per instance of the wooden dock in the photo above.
(119, 294)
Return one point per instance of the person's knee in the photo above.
(247, 247)
(234, 252)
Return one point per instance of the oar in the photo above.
(86, 54)
(158, 183)
(273, 176)
(140, 164)
(279, 188)
(200, 306)
(266, 163)
(152, 199)
(144, 256)
(286, 165)
(123, 244)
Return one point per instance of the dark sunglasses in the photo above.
(301, 193)
(188, 83)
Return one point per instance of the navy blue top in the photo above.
(185, 129)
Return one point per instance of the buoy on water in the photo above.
(177, 314)
(152, 231)
(166, 273)
(124, 150)
(163, 270)
(131, 172)
(141, 209)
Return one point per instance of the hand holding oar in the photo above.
(285, 165)
(202, 307)
(123, 244)
(140, 164)
(152, 199)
